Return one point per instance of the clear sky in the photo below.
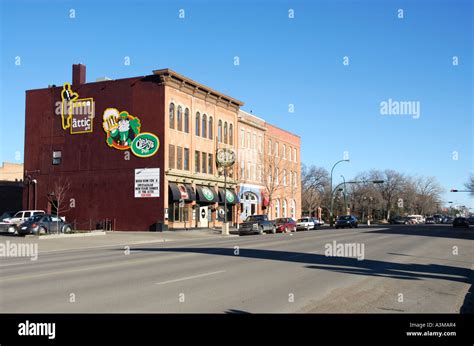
(283, 61)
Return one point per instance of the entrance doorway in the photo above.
(249, 203)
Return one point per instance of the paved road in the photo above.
(405, 269)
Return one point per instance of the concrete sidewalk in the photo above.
(46, 244)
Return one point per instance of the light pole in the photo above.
(344, 192)
(225, 158)
(331, 221)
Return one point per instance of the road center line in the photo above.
(190, 277)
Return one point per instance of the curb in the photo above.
(60, 236)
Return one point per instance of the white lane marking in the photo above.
(190, 277)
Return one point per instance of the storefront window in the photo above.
(177, 213)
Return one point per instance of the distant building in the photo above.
(11, 186)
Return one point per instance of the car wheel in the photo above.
(286, 230)
(67, 229)
(260, 230)
(274, 230)
(41, 230)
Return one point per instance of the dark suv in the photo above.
(346, 221)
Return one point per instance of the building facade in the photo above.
(139, 153)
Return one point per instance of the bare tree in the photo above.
(314, 184)
(272, 174)
(470, 184)
(58, 195)
(391, 187)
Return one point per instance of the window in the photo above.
(277, 174)
(242, 170)
(225, 132)
(171, 115)
(56, 157)
(219, 131)
(177, 213)
(291, 178)
(277, 208)
(186, 120)
(289, 153)
(249, 170)
(180, 118)
(276, 149)
(254, 168)
(284, 152)
(269, 147)
(204, 126)
(295, 179)
(254, 141)
(198, 124)
(211, 128)
(242, 138)
(204, 167)
(179, 160)
(270, 174)
(171, 154)
(284, 178)
(210, 167)
(259, 173)
(197, 162)
(259, 144)
(186, 159)
(231, 134)
(249, 145)
(292, 208)
(283, 208)
(294, 155)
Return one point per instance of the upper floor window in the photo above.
(276, 149)
(198, 124)
(254, 141)
(225, 132)
(231, 134)
(171, 115)
(219, 131)
(259, 144)
(204, 125)
(294, 155)
(284, 177)
(269, 147)
(186, 120)
(180, 118)
(289, 153)
(211, 127)
(283, 153)
(242, 138)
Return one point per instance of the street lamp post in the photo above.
(225, 158)
(331, 221)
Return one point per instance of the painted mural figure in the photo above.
(121, 128)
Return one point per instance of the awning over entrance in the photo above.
(229, 195)
(181, 191)
(250, 188)
(206, 195)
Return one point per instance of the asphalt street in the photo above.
(414, 269)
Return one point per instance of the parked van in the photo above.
(22, 215)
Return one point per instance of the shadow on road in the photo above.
(438, 231)
(367, 267)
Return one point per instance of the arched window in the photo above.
(219, 131)
(186, 120)
(225, 132)
(277, 209)
(284, 177)
(171, 115)
(198, 123)
(204, 126)
(283, 208)
(292, 209)
(231, 134)
(211, 128)
(180, 118)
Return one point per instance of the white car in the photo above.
(21, 216)
(305, 223)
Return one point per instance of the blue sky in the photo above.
(282, 61)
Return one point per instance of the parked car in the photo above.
(448, 219)
(430, 220)
(418, 218)
(346, 221)
(6, 227)
(21, 216)
(258, 224)
(285, 224)
(461, 222)
(398, 220)
(319, 222)
(305, 223)
(471, 220)
(43, 223)
(438, 218)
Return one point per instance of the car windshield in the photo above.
(303, 220)
(345, 217)
(254, 218)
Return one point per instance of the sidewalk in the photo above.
(111, 238)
